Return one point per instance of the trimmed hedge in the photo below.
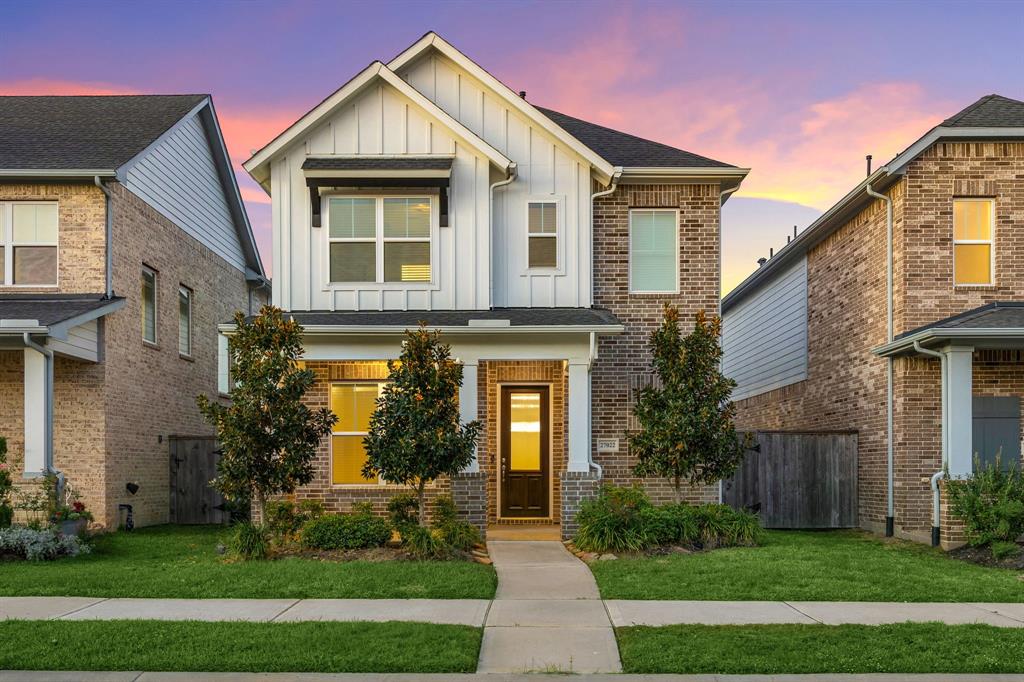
(346, 531)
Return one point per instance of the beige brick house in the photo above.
(899, 314)
(123, 243)
(541, 245)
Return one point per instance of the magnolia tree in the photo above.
(415, 432)
(268, 436)
(686, 417)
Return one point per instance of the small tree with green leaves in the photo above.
(268, 436)
(415, 433)
(686, 417)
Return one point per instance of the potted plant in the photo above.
(71, 519)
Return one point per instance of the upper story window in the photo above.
(542, 234)
(28, 243)
(184, 321)
(353, 404)
(379, 239)
(149, 278)
(654, 251)
(973, 242)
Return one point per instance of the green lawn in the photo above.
(809, 566)
(779, 649)
(241, 647)
(181, 561)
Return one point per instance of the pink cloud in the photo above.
(47, 86)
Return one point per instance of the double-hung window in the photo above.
(184, 321)
(352, 403)
(973, 244)
(28, 243)
(542, 234)
(654, 251)
(381, 239)
(149, 305)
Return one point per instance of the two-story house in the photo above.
(542, 246)
(899, 314)
(123, 244)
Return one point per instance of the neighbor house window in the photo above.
(542, 234)
(379, 239)
(973, 248)
(352, 404)
(184, 320)
(654, 251)
(28, 243)
(149, 305)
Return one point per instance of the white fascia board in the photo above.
(943, 334)
(640, 175)
(601, 166)
(258, 165)
(21, 331)
(388, 330)
(950, 133)
(57, 172)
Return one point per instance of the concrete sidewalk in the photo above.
(35, 676)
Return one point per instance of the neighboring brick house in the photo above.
(123, 244)
(811, 336)
(542, 246)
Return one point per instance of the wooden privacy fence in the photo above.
(798, 480)
(193, 466)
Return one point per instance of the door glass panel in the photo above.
(525, 432)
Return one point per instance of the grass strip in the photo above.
(238, 646)
(819, 649)
(182, 562)
(810, 566)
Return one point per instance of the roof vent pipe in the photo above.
(522, 93)
(868, 159)
(761, 261)
(771, 252)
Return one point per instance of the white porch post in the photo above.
(35, 412)
(468, 403)
(959, 410)
(579, 416)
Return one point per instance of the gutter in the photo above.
(944, 334)
(109, 206)
(511, 173)
(56, 172)
(382, 330)
(938, 475)
(889, 458)
(47, 354)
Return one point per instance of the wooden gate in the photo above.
(798, 480)
(193, 466)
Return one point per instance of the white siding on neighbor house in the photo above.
(547, 170)
(178, 177)
(764, 337)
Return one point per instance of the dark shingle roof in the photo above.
(50, 309)
(370, 163)
(991, 111)
(998, 315)
(517, 317)
(623, 149)
(88, 132)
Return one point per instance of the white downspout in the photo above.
(938, 475)
(889, 459)
(721, 200)
(513, 171)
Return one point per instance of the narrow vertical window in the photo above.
(654, 251)
(185, 321)
(542, 234)
(352, 404)
(973, 244)
(28, 243)
(149, 305)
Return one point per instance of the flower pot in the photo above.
(73, 526)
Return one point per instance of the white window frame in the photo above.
(7, 242)
(558, 236)
(629, 245)
(330, 472)
(156, 306)
(991, 242)
(191, 300)
(379, 240)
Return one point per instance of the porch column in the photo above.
(468, 403)
(35, 412)
(959, 410)
(579, 416)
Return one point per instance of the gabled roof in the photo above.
(84, 133)
(991, 111)
(623, 149)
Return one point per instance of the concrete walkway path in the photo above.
(135, 676)
(547, 615)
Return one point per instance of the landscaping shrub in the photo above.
(37, 545)
(671, 524)
(6, 485)
(286, 518)
(455, 532)
(990, 503)
(250, 541)
(614, 521)
(346, 531)
(425, 543)
(1004, 550)
(403, 510)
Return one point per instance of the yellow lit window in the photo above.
(973, 248)
(352, 404)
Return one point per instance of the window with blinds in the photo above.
(28, 243)
(352, 403)
(149, 305)
(654, 251)
(185, 321)
(973, 243)
(379, 239)
(542, 234)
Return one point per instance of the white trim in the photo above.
(56, 172)
(391, 330)
(950, 133)
(629, 246)
(188, 295)
(990, 242)
(551, 450)
(330, 445)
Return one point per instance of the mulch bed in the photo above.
(375, 554)
(983, 557)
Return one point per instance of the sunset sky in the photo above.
(797, 91)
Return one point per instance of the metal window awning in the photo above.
(410, 171)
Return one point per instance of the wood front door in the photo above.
(525, 451)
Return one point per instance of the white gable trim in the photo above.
(259, 168)
(603, 168)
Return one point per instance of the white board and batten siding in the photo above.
(178, 177)
(764, 337)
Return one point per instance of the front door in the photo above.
(525, 453)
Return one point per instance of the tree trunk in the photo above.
(261, 506)
(422, 503)
(676, 488)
